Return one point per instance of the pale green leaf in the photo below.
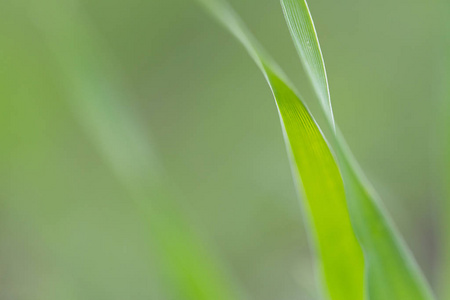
(391, 272)
(315, 170)
(92, 84)
(305, 38)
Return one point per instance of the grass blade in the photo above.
(305, 38)
(391, 272)
(315, 171)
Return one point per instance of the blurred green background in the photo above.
(68, 229)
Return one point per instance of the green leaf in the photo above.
(304, 34)
(391, 270)
(315, 169)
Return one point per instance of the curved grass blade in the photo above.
(93, 84)
(307, 43)
(392, 273)
(391, 270)
(314, 169)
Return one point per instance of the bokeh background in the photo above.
(69, 228)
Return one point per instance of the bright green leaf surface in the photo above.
(315, 170)
(391, 271)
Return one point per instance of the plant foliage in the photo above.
(335, 189)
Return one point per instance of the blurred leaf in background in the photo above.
(442, 152)
(99, 102)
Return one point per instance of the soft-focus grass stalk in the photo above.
(93, 87)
